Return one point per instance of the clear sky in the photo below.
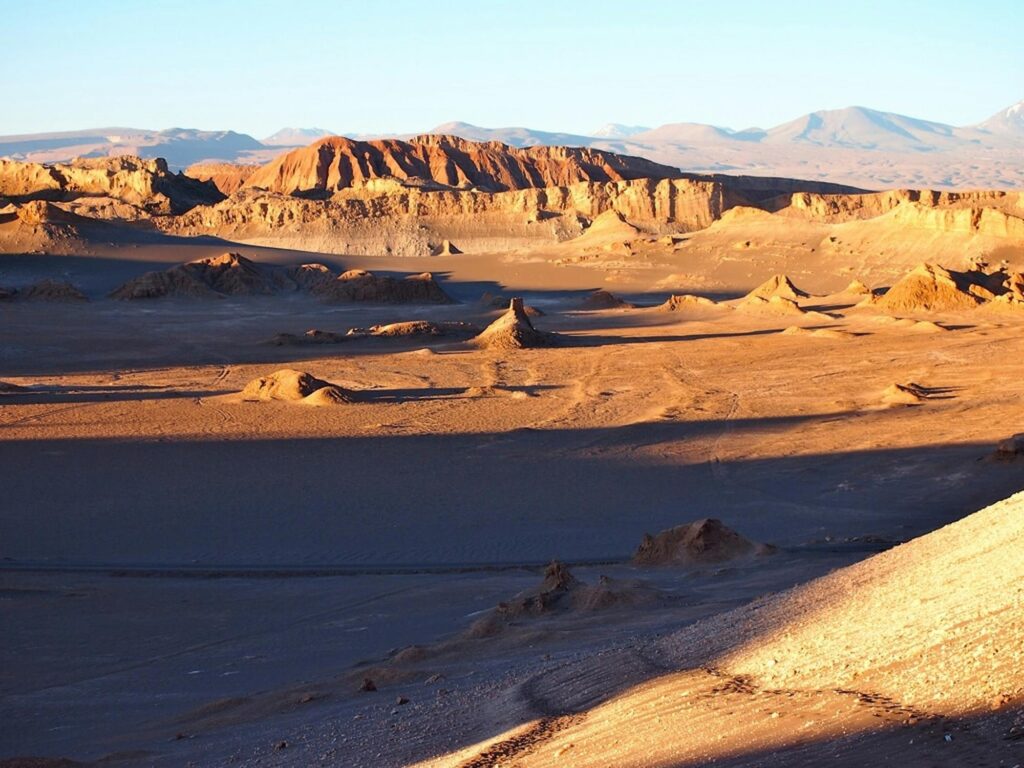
(374, 67)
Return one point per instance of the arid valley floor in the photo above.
(202, 568)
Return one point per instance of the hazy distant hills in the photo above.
(179, 146)
(295, 137)
(859, 146)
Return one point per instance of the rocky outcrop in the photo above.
(146, 184)
(837, 208)
(411, 221)
(931, 288)
(777, 285)
(602, 299)
(700, 542)
(227, 177)
(513, 330)
(229, 274)
(336, 163)
(294, 386)
(686, 302)
(360, 285)
(50, 290)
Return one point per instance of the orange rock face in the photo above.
(227, 177)
(336, 163)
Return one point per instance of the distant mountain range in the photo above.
(856, 145)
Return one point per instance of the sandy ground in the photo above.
(339, 534)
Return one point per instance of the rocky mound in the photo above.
(6, 388)
(1009, 449)
(337, 163)
(294, 387)
(777, 285)
(418, 328)
(934, 624)
(561, 592)
(608, 228)
(602, 299)
(229, 274)
(360, 285)
(697, 543)
(857, 288)
(931, 288)
(311, 277)
(51, 290)
(686, 301)
(145, 184)
(312, 336)
(513, 330)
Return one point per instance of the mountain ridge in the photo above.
(855, 145)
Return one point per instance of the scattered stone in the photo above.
(401, 701)
(368, 685)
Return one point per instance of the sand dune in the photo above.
(803, 671)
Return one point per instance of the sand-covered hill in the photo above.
(337, 162)
(912, 654)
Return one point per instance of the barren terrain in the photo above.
(293, 548)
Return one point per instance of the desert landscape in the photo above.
(647, 447)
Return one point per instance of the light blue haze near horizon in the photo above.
(403, 66)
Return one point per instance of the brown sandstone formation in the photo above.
(360, 285)
(146, 184)
(513, 330)
(777, 285)
(700, 542)
(295, 387)
(335, 163)
(602, 299)
(50, 290)
(229, 274)
(931, 288)
(227, 177)
(684, 302)
(560, 592)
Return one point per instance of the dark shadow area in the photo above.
(571, 340)
(62, 395)
(526, 495)
(449, 393)
(521, 495)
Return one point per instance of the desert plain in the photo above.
(436, 452)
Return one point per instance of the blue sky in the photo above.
(365, 67)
